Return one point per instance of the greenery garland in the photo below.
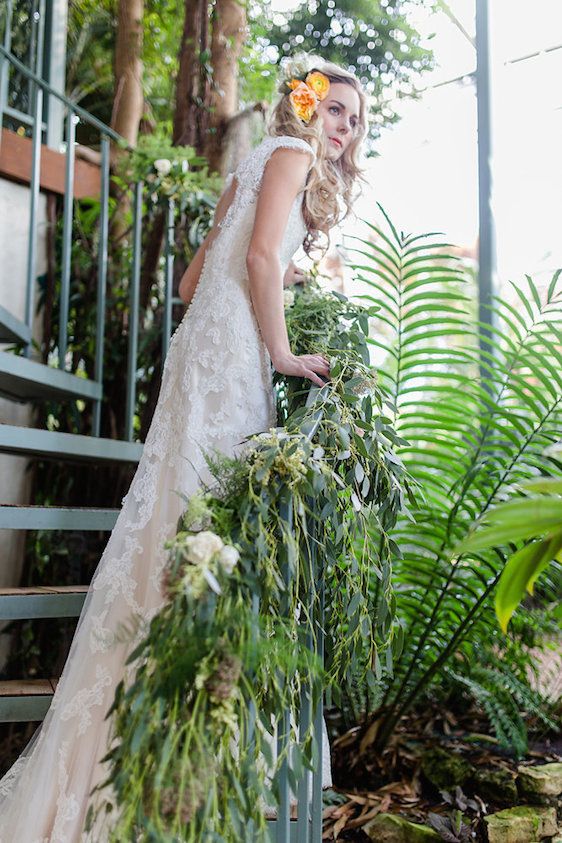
(195, 726)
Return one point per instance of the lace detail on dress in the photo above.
(68, 806)
(81, 704)
(216, 391)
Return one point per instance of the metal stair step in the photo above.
(14, 517)
(33, 442)
(23, 603)
(25, 699)
(22, 379)
(13, 329)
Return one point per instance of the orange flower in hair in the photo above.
(305, 95)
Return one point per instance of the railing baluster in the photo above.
(133, 312)
(168, 279)
(33, 204)
(67, 237)
(252, 713)
(308, 556)
(283, 823)
(40, 40)
(319, 579)
(102, 277)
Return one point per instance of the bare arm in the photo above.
(190, 278)
(283, 177)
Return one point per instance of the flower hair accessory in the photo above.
(307, 93)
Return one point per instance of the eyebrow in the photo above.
(343, 106)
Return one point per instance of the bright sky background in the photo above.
(426, 175)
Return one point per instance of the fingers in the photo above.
(314, 377)
(318, 362)
(317, 367)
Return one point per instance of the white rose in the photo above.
(228, 558)
(163, 165)
(288, 298)
(202, 547)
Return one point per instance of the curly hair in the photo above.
(328, 182)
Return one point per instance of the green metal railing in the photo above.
(73, 114)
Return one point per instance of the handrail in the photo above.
(74, 107)
(40, 89)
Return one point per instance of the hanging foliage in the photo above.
(281, 526)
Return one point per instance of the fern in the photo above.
(505, 698)
(477, 405)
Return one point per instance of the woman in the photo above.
(216, 391)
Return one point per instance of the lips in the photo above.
(335, 140)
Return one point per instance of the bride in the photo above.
(216, 391)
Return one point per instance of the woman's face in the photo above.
(340, 113)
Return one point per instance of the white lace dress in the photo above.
(216, 389)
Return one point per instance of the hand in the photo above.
(309, 366)
(294, 275)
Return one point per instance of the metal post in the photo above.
(40, 43)
(102, 277)
(67, 237)
(33, 205)
(486, 244)
(168, 279)
(318, 616)
(283, 823)
(308, 561)
(133, 312)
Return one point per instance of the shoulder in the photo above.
(250, 170)
(272, 142)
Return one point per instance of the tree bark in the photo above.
(230, 28)
(191, 86)
(128, 103)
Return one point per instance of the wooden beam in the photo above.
(15, 164)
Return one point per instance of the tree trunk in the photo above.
(128, 102)
(191, 86)
(230, 28)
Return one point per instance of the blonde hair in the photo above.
(328, 181)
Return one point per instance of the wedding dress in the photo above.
(216, 389)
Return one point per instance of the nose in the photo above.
(344, 127)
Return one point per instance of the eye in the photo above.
(336, 107)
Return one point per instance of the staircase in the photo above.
(25, 380)
(29, 699)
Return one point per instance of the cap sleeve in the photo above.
(272, 142)
(250, 170)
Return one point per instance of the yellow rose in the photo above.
(304, 101)
(319, 83)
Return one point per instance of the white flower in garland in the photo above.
(288, 298)
(203, 546)
(228, 558)
(163, 166)
(207, 555)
